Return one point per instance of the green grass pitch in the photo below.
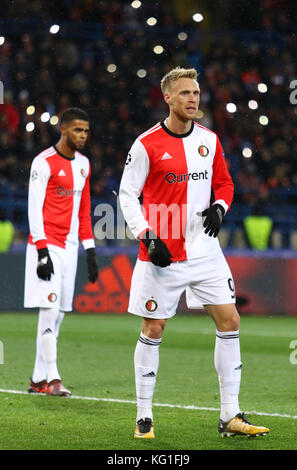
(95, 359)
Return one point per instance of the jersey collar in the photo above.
(64, 156)
(180, 136)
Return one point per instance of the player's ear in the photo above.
(167, 99)
(63, 129)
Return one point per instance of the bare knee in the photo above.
(153, 328)
(225, 317)
(229, 324)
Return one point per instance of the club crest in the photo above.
(203, 150)
(52, 297)
(151, 305)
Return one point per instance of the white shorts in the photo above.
(56, 293)
(155, 292)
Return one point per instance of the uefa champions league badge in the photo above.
(151, 305)
(34, 175)
(203, 150)
(129, 158)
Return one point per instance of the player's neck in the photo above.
(178, 126)
(64, 149)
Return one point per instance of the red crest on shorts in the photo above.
(52, 297)
(151, 305)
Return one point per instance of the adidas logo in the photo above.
(150, 374)
(62, 173)
(47, 331)
(110, 293)
(166, 156)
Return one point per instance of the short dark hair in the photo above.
(73, 113)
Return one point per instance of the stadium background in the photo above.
(108, 58)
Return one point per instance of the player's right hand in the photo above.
(157, 249)
(213, 219)
(45, 266)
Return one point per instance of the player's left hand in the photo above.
(213, 219)
(92, 265)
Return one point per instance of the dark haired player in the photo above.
(59, 211)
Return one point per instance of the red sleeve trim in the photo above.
(41, 244)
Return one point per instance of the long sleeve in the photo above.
(222, 183)
(133, 179)
(85, 221)
(39, 177)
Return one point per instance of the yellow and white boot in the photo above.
(240, 426)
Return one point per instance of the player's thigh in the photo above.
(212, 282)
(40, 293)
(155, 291)
(69, 260)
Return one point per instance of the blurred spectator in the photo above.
(10, 116)
(6, 232)
(258, 228)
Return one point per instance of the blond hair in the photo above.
(176, 74)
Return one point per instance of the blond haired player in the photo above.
(59, 210)
(175, 165)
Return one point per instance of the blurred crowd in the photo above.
(102, 59)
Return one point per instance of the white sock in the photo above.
(49, 353)
(46, 355)
(146, 363)
(58, 322)
(39, 371)
(228, 365)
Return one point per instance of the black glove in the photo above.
(157, 249)
(92, 265)
(213, 219)
(45, 266)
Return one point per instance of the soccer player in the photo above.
(175, 165)
(59, 211)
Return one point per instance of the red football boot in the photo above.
(37, 387)
(56, 388)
